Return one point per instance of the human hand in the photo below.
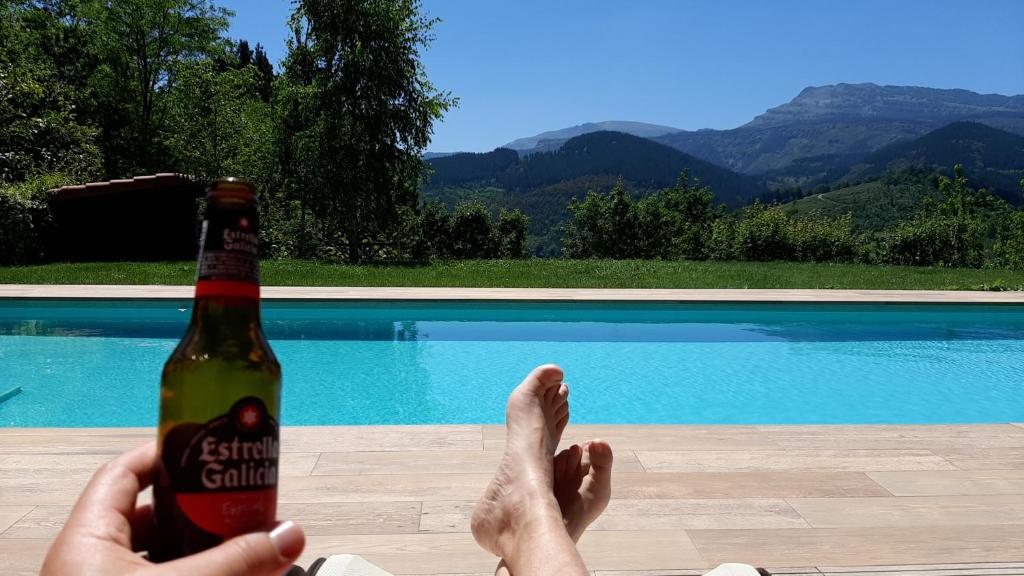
(105, 529)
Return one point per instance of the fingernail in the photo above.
(288, 539)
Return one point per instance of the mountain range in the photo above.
(831, 136)
(554, 139)
(842, 121)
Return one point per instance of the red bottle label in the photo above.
(224, 473)
(229, 254)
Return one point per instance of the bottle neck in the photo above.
(226, 315)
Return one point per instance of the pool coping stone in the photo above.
(161, 292)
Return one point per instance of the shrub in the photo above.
(722, 244)
(935, 240)
(1008, 250)
(25, 217)
(472, 232)
(604, 226)
(763, 234)
(510, 236)
(820, 239)
(435, 231)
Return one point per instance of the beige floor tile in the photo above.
(924, 571)
(963, 483)
(683, 485)
(337, 518)
(698, 514)
(379, 438)
(47, 491)
(22, 557)
(83, 466)
(487, 573)
(962, 566)
(458, 553)
(42, 522)
(406, 553)
(652, 437)
(446, 516)
(404, 462)
(431, 462)
(320, 519)
(865, 546)
(910, 511)
(693, 572)
(645, 515)
(927, 437)
(813, 460)
(49, 466)
(970, 458)
(390, 488)
(9, 515)
(297, 463)
(639, 550)
(109, 441)
(96, 432)
(887, 430)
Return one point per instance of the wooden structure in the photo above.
(146, 218)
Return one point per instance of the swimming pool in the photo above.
(97, 363)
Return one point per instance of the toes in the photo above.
(560, 411)
(561, 423)
(570, 463)
(562, 395)
(599, 455)
(546, 377)
(562, 463)
(549, 395)
(575, 455)
(584, 467)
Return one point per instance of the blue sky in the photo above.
(527, 66)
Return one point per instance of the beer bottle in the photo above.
(219, 395)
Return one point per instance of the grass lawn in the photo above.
(544, 274)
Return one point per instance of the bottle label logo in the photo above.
(224, 472)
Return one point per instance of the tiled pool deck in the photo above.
(684, 498)
(911, 500)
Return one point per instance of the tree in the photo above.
(473, 232)
(435, 224)
(949, 234)
(266, 73)
(603, 226)
(676, 222)
(511, 234)
(361, 113)
(219, 121)
(257, 58)
(41, 130)
(141, 45)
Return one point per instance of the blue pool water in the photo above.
(98, 363)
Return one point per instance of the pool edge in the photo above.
(163, 292)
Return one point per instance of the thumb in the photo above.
(256, 554)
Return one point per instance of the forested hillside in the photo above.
(991, 158)
(542, 184)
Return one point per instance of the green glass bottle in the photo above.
(220, 394)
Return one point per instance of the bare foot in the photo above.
(520, 498)
(583, 484)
